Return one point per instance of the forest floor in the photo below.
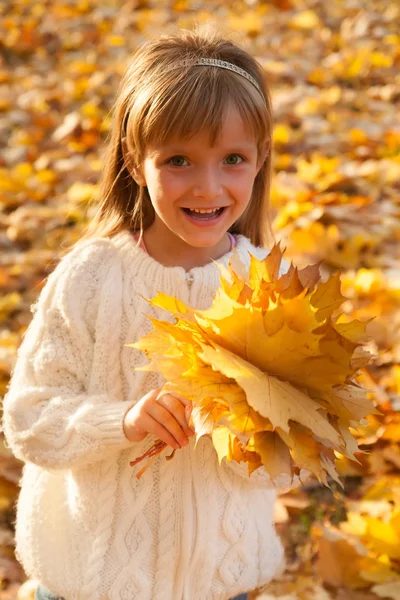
(333, 71)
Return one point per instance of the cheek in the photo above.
(165, 187)
(242, 185)
(154, 184)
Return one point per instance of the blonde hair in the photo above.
(155, 102)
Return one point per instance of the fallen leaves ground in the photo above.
(333, 68)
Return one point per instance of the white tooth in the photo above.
(205, 210)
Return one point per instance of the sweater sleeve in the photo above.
(49, 418)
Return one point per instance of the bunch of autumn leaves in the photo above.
(269, 369)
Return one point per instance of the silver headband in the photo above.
(208, 62)
(215, 62)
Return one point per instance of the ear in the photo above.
(133, 169)
(265, 150)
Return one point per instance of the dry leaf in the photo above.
(269, 367)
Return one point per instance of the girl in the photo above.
(186, 179)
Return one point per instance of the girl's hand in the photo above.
(166, 416)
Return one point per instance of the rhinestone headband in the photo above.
(215, 62)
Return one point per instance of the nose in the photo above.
(208, 184)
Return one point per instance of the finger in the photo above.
(187, 404)
(155, 428)
(182, 399)
(168, 420)
(188, 414)
(174, 406)
(177, 410)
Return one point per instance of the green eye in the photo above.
(233, 159)
(177, 161)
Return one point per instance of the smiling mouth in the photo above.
(204, 214)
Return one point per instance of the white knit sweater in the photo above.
(189, 529)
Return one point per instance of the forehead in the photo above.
(234, 131)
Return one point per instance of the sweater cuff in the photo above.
(109, 422)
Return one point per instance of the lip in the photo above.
(206, 223)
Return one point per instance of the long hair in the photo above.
(155, 102)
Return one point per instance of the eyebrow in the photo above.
(175, 148)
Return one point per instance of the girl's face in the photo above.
(197, 190)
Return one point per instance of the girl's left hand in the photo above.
(161, 414)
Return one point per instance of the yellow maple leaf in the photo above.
(273, 452)
(270, 367)
(384, 538)
(277, 400)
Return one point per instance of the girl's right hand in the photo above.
(166, 416)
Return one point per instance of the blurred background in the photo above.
(333, 70)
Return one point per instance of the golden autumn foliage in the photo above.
(364, 550)
(270, 368)
(333, 71)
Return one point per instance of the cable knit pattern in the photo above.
(203, 565)
(189, 529)
(107, 479)
(169, 501)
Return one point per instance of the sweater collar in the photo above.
(149, 267)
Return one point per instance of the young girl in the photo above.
(186, 179)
